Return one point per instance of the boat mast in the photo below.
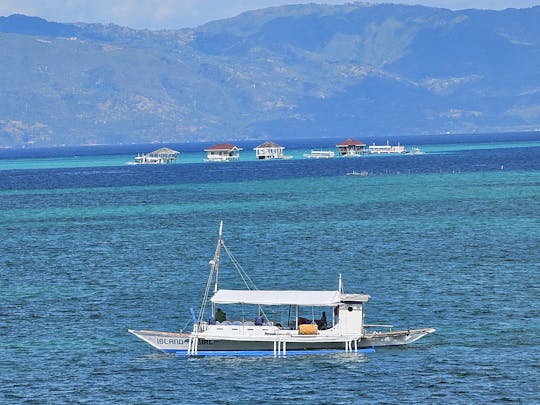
(214, 266)
(216, 257)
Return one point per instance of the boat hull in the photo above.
(171, 342)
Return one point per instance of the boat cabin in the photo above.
(269, 150)
(351, 147)
(324, 313)
(223, 152)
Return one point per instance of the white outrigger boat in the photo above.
(345, 331)
(320, 154)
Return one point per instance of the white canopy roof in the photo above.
(278, 297)
(354, 297)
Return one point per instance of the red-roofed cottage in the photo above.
(351, 147)
(223, 152)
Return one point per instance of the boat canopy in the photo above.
(281, 297)
(354, 298)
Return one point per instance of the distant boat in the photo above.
(387, 149)
(257, 334)
(320, 154)
(355, 173)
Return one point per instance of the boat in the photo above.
(362, 173)
(213, 334)
(387, 149)
(320, 154)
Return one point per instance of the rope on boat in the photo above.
(248, 282)
(214, 271)
(245, 277)
(205, 298)
(194, 338)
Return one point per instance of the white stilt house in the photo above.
(269, 150)
(167, 155)
(351, 147)
(223, 152)
(157, 157)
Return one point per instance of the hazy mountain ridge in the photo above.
(292, 71)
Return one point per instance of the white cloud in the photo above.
(173, 14)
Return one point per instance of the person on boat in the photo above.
(303, 321)
(321, 323)
(220, 315)
(259, 320)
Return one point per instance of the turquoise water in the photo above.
(444, 240)
(190, 156)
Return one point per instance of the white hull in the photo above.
(387, 149)
(171, 342)
(146, 163)
(320, 154)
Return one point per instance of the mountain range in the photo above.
(289, 72)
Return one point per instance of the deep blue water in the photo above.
(445, 240)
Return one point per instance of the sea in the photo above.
(449, 239)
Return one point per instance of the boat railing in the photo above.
(203, 326)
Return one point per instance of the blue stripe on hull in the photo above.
(239, 353)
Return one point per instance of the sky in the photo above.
(175, 14)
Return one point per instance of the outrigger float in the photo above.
(215, 336)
